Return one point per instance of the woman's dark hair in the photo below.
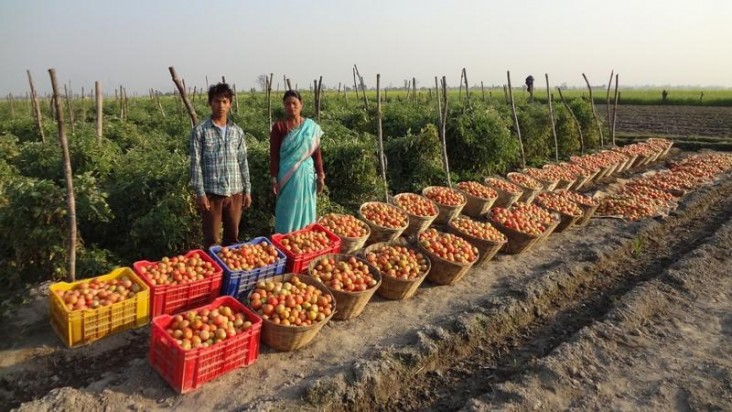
(219, 89)
(292, 93)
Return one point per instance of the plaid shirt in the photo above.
(219, 163)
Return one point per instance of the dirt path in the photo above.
(396, 355)
(673, 121)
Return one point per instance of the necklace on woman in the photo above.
(294, 123)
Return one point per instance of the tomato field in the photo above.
(533, 326)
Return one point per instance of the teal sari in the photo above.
(296, 178)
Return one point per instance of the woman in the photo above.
(294, 158)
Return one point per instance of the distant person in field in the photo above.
(219, 170)
(295, 166)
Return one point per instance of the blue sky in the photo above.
(133, 42)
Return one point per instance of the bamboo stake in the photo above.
(551, 117)
(236, 98)
(467, 90)
(125, 103)
(443, 128)
(505, 94)
(460, 90)
(379, 132)
(594, 113)
(223, 79)
(10, 104)
(482, 89)
(515, 120)
(607, 105)
(289, 85)
(363, 88)
(189, 107)
(571, 113)
(269, 100)
(319, 93)
(83, 106)
(355, 85)
(207, 86)
(70, 202)
(68, 108)
(414, 89)
(615, 107)
(36, 107)
(409, 89)
(100, 113)
(160, 106)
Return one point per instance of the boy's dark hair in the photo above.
(292, 93)
(219, 89)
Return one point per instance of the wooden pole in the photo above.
(460, 90)
(515, 120)
(594, 113)
(505, 94)
(100, 113)
(125, 103)
(607, 106)
(551, 117)
(70, 202)
(355, 85)
(467, 89)
(207, 87)
(319, 92)
(289, 85)
(379, 132)
(182, 91)
(68, 108)
(443, 128)
(36, 107)
(482, 89)
(615, 107)
(576, 122)
(83, 106)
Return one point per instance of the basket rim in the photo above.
(297, 327)
(498, 189)
(368, 228)
(465, 199)
(413, 215)
(493, 222)
(395, 279)
(474, 196)
(399, 209)
(439, 259)
(372, 271)
(468, 235)
(509, 174)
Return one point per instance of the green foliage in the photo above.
(170, 226)
(582, 110)
(567, 133)
(479, 141)
(9, 147)
(415, 161)
(401, 119)
(40, 160)
(352, 168)
(536, 132)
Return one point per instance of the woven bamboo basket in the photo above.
(505, 199)
(350, 304)
(380, 233)
(529, 193)
(416, 223)
(288, 338)
(476, 206)
(518, 242)
(550, 228)
(447, 213)
(352, 244)
(398, 289)
(565, 220)
(587, 212)
(445, 272)
(486, 248)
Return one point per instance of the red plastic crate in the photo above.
(187, 370)
(299, 263)
(171, 299)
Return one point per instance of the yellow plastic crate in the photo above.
(81, 327)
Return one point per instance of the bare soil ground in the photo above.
(672, 121)
(616, 314)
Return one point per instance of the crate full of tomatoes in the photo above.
(306, 244)
(180, 282)
(197, 346)
(247, 263)
(90, 309)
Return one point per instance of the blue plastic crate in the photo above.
(237, 282)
